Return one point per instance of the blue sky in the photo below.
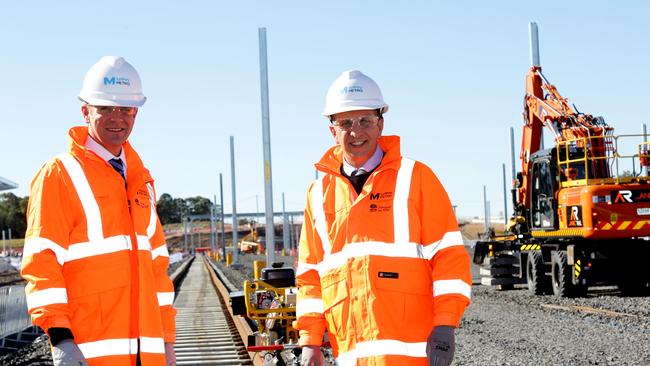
(452, 72)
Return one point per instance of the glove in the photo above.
(441, 345)
(66, 353)
(170, 355)
(311, 356)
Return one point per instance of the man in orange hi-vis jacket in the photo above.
(382, 264)
(95, 256)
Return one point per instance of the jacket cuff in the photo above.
(310, 338)
(447, 318)
(57, 335)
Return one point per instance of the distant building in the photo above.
(6, 184)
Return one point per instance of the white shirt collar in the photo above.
(369, 165)
(101, 151)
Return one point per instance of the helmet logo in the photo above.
(116, 80)
(351, 89)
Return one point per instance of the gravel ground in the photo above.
(516, 328)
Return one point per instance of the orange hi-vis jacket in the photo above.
(95, 257)
(380, 269)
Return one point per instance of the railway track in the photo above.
(206, 332)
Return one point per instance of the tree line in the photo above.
(13, 211)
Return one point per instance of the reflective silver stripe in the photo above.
(304, 267)
(306, 306)
(109, 347)
(36, 245)
(361, 249)
(450, 239)
(152, 345)
(81, 185)
(443, 287)
(97, 247)
(400, 201)
(54, 295)
(381, 348)
(151, 229)
(161, 251)
(165, 298)
(143, 243)
(319, 214)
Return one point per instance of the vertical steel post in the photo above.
(185, 233)
(644, 169)
(505, 198)
(285, 226)
(485, 209)
(266, 133)
(534, 44)
(235, 223)
(216, 224)
(223, 221)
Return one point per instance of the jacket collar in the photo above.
(134, 165)
(333, 159)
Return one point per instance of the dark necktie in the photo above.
(357, 172)
(117, 164)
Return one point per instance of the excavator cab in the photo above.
(544, 188)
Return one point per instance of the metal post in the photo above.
(485, 210)
(285, 226)
(11, 244)
(4, 244)
(191, 227)
(185, 233)
(266, 133)
(489, 214)
(505, 198)
(223, 222)
(534, 44)
(235, 224)
(512, 152)
(644, 169)
(216, 224)
(211, 222)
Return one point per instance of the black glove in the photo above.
(441, 345)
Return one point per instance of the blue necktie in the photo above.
(117, 164)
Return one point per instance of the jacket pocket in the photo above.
(89, 281)
(336, 304)
(405, 287)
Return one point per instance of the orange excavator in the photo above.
(580, 218)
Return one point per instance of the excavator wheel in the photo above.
(561, 278)
(538, 282)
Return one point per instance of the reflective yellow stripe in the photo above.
(562, 232)
(624, 225)
(607, 226)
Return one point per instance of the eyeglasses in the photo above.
(364, 122)
(104, 109)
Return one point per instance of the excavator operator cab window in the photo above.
(542, 195)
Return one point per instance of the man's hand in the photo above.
(311, 356)
(170, 355)
(66, 353)
(441, 345)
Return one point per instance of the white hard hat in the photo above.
(112, 82)
(352, 91)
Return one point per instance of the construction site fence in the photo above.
(13, 310)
